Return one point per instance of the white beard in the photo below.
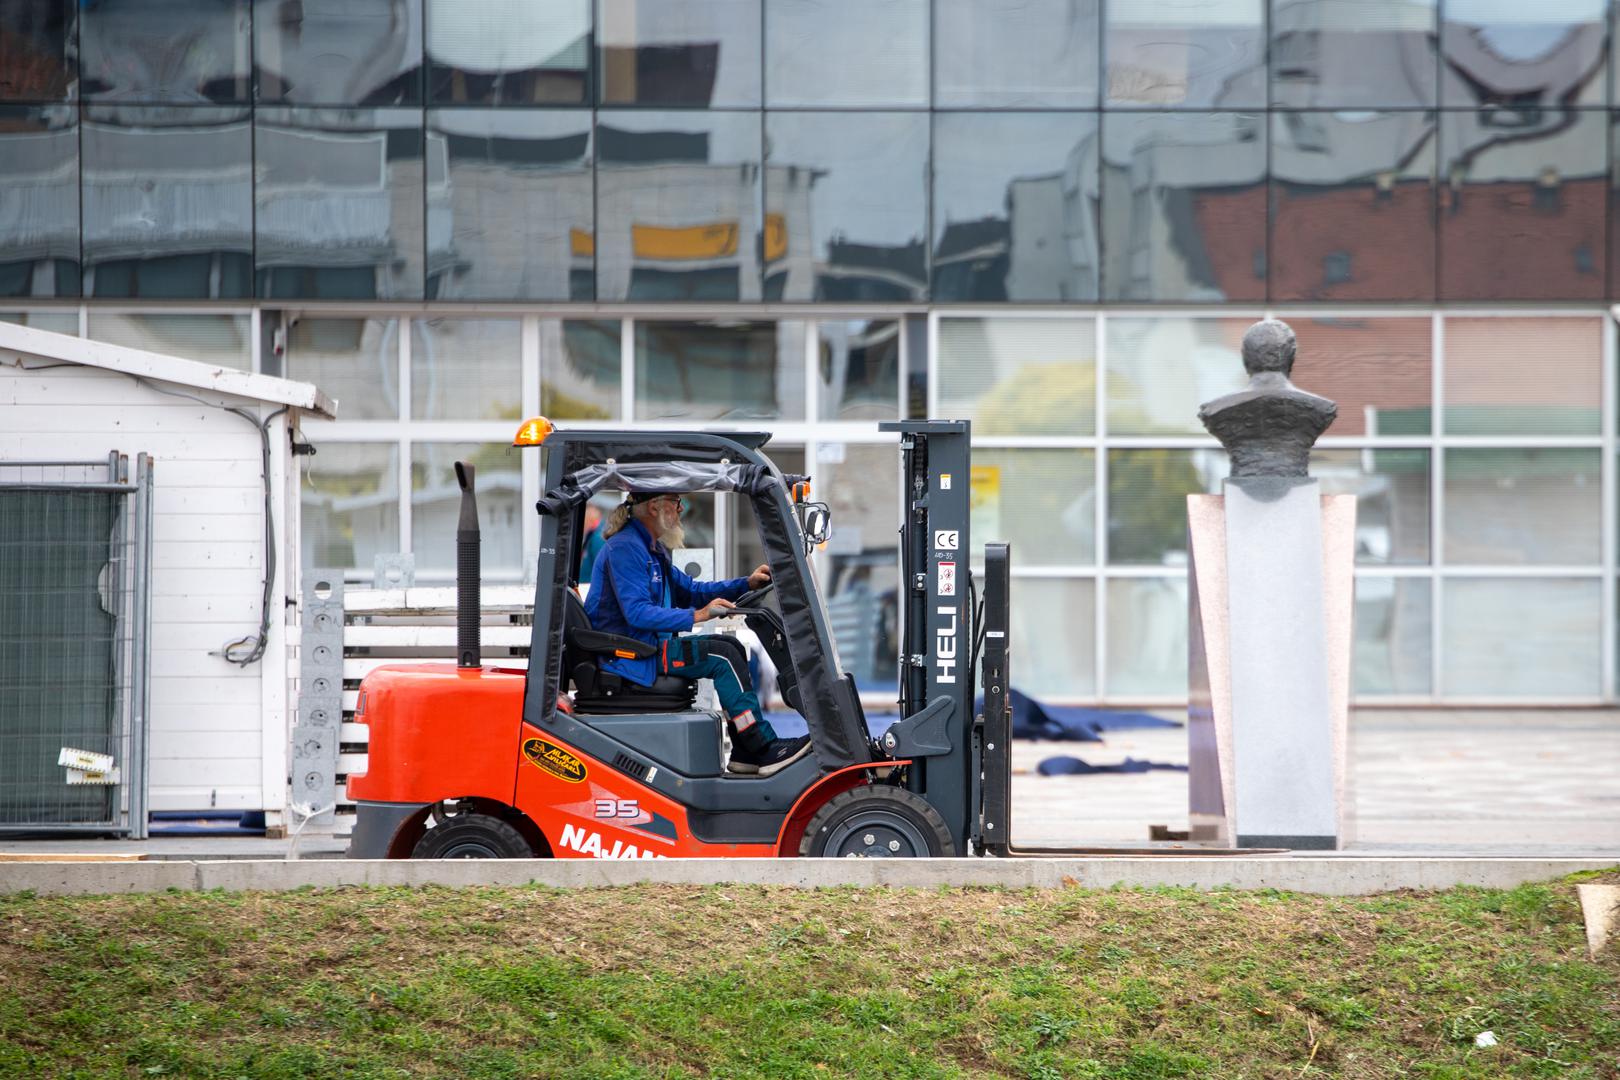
(673, 537)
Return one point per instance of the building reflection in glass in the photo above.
(1537, 54)
(1184, 206)
(338, 52)
(509, 52)
(858, 367)
(1016, 53)
(680, 52)
(165, 50)
(39, 200)
(1363, 54)
(728, 370)
(1352, 205)
(854, 53)
(1190, 54)
(1015, 206)
(509, 204)
(1378, 370)
(168, 202)
(339, 204)
(846, 204)
(38, 50)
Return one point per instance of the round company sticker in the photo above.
(554, 760)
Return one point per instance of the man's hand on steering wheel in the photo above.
(759, 578)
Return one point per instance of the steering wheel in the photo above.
(752, 597)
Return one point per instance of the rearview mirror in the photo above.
(815, 522)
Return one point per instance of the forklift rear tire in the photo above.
(877, 822)
(472, 836)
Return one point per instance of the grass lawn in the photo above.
(776, 982)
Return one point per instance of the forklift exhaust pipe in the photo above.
(469, 653)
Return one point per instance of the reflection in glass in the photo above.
(350, 505)
(1054, 628)
(466, 369)
(1190, 54)
(1393, 637)
(719, 371)
(211, 339)
(510, 205)
(1522, 209)
(39, 200)
(858, 365)
(1019, 375)
(38, 50)
(680, 52)
(356, 361)
(339, 204)
(579, 369)
(1524, 55)
(57, 321)
(1015, 206)
(846, 206)
(861, 485)
(436, 505)
(168, 203)
(846, 52)
(1392, 500)
(1522, 507)
(1377, 370)
(168, 51)
(1147, 502)
(1015, 53)
(1043, 502)
(677, 198)
(747, 550)
(509, 52)
(1531, 637)
(1161, 369)
(338, 52)
(1366, 54)
(1523, 376)
(1147, 637)
(1352, 214)
(1184, 206)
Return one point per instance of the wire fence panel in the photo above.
(75, 557)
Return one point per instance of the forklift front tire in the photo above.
(472, 836)
(877, 821)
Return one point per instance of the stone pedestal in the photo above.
(1271, 593)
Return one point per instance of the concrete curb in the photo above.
(1327, 876)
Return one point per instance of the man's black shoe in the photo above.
(773, 757)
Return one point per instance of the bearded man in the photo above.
(637, 591)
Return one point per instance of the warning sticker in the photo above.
(947, 579)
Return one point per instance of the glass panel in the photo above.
(1368, 54)
(861, 484)
(1352, 206)
(846, 201)
(179, 51)
(1161, 370)
(38, 50)
(1189, 54)
(1015, 206)
(356, 361)
(1013, 53)
(1020, 376)
(677, 206)
(510, 205)
(1184, 206)
(339, 52)
(1393, 637)
(1147, 502)
(57, 322)
(1535, 637)
(1147, 637)
(579, 369)
(339, 204)
(719, 371)
(1498, 52)
(1054, 637)
(508, 52)
(680, 52)
(1522, 507)
(213, 339)
(436, 504)
(1042, 502)
(39, 199)
(168, 202)
(1377, 370)
(846, 52)
(1392, 500)
(1522, 211)
(466, 369)
(351, 505)
(858, 367)
(1523, 376)
(747, 550)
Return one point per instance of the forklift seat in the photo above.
(603, 692)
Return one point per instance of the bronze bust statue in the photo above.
(1270, 425)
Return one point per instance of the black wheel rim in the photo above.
(876, 834)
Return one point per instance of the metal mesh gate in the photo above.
(75, 596)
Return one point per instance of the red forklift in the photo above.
(566, 760)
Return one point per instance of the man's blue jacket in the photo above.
(637, 592)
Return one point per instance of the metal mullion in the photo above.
(812, 387)
(1038, 442)
(1099, 543)
(1523, 572)
(627, 370)
(1437, 510)
(1520, 442)
(530, 393)
(933, 365)
(1147, 570)
(403, 466)
(1067, 572)
(1606, 528)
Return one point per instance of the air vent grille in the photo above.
(630, 766)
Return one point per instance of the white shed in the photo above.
(218, 730)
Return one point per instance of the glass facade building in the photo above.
(1054, 218)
